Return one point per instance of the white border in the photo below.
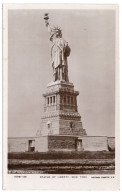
(5, 107)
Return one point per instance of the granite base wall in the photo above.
(41, 144)
(94, 143)
(111, 143)
(21, 144)
(18, 144)
(62, 143)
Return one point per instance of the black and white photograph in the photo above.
(61, 68)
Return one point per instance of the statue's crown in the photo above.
(56, 29)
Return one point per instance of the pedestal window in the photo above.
(53, 99)
(50, 100)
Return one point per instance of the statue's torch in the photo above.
(46, 18)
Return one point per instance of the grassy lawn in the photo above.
(62, 155)
(62, 163)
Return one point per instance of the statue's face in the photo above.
(57, 34)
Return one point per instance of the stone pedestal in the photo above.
(61, 115)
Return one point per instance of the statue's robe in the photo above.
(59, 52)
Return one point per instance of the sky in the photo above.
(91, 37)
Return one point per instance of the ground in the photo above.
(62, 163)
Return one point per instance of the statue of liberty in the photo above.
(59, 52)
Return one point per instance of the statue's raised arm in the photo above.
(59, 52)
(46, 18)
